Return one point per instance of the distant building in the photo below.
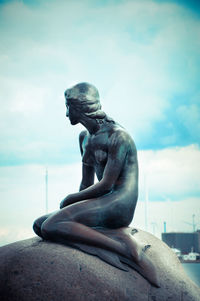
(185, 242)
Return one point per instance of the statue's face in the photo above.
(72, 113)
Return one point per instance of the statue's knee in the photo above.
(38, 224)
(36, 228)
(46, 230)
(49, 229)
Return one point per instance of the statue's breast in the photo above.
(100, 156)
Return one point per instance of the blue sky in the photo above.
(142, 55)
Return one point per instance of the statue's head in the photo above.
(83, 100)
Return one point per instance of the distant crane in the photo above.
(193, 224)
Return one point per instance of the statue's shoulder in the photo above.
(120, 137)
(120, 134)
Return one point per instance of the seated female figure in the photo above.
(98, 214)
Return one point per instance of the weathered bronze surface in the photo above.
(96, 218)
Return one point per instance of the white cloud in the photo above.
(12, 234)
(171, 173)
(23, 196)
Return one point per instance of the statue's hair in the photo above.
(85, 98)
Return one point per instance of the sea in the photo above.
(193, 271)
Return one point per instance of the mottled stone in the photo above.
(36, 270)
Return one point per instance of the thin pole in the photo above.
(46, 188)
(154, 227)
(146, 203)
(193, 222)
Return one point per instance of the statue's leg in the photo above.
(58, 226)
(71, 231)
(74, 224)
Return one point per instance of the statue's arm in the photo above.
(87, 170)
(116, 156)
(87, 176)
(82, 136)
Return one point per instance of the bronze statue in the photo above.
(96, 218)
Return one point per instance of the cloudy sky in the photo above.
(144, 57)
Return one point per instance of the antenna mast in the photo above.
(146, 202)
(46, 191)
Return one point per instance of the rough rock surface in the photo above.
(36, 270)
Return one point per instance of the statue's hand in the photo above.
(62, 204)
(67, 201)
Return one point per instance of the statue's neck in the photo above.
(93, 125)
